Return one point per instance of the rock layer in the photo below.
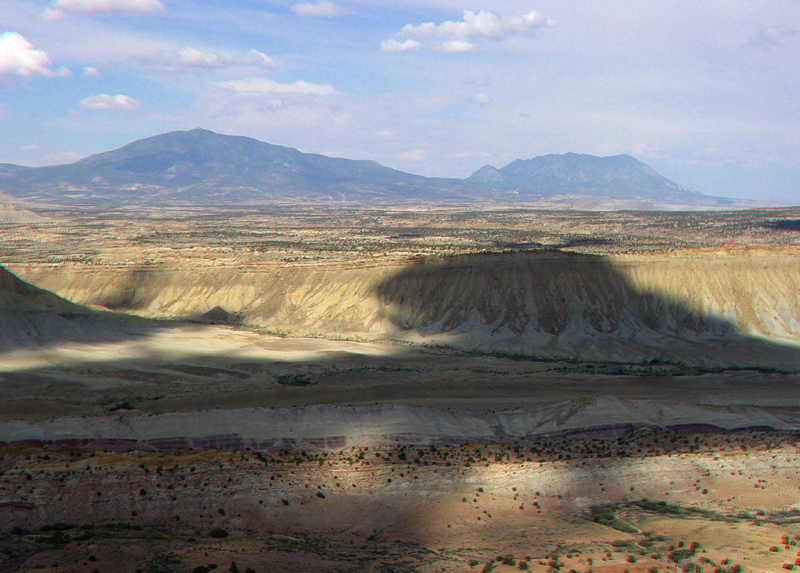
(331, 427)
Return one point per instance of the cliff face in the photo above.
(708, 308)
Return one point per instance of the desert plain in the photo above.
(348, 389)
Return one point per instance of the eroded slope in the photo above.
(711, 308)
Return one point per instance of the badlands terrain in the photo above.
(304, 389)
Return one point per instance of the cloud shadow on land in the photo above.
(557, 305)
(545, 304)
(783, 225)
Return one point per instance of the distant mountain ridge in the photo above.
(617, 177)
(205, 168)
(200, 167)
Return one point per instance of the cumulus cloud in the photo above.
(18, 57)
(187, 58)
(90, 72)
(474, 28)
(399, 47)
(482, 99)
(105, 102)
(264, 86)
(124, 7)
(772, 37)
(31, 147)
(322, 9)
(456, 46)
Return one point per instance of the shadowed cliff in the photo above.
(565, 305)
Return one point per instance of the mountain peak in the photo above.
(616, 177)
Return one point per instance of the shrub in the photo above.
(218, 533)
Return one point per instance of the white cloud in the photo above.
(192, 58)
(398, 47)
(322, 9)
(264, 86)
(105, 102)
(475, 27)
(31, 147)
(456, 46)
(482, 99)
(18, 57)
(124, 7)
(50, 15)
(90, 72)
(772, 37)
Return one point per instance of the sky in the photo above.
(707, 92)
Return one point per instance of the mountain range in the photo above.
(200, 167)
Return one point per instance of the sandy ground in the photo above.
(192, 367)
(439, 509)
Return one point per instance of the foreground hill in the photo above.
(31, 316)
(707, 310)
(200, 167)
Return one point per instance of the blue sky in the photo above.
(705, 92)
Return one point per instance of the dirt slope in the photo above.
(698, 307)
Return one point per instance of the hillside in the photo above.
(31, 316)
